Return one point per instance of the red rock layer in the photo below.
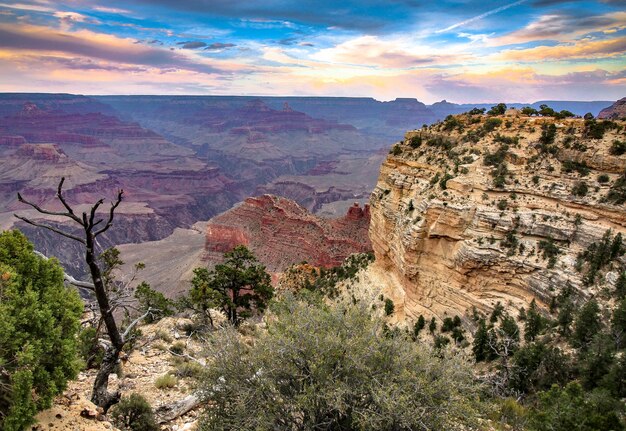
(282, 233)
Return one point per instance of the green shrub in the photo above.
(188, 369)
(395, 150)
(134, 413)
(571, 165)
(603, 178)
(322, 366)
(491, 124)
(499, 109)
(166, 381)
(617, 193)
(415, 141)
(90, 349)
(39, 323)
(149, 298)
(389, 307)
(580, 189)
(618, 148)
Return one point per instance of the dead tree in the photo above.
(92, 228)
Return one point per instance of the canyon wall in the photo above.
(464, 211)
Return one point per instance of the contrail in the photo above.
(481, 16)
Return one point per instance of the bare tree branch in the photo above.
(134, 323)
(70, 212)
(114, 205)
(53, 229)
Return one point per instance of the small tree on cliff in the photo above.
(237, 287)
(91, 228)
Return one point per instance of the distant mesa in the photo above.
(282, 233)
(614, 112)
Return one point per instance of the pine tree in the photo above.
(39, 321)
(534, 322)
(481, 342)
(587, 324)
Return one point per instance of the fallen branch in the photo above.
(169, 412)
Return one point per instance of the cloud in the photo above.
(584, 49)
(386, 53)
(563, 27)
(68, 19)
(192, 45)
(218, 46)
(27, 7)
(113, 10)
(96, 45)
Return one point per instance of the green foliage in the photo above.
(599, 254)
(617, 193)
(491, 124)
(546, 140)
(603, 178)
(419, 325)
(549, 250)
(451, 122)
(569, 166)
(39, 321)
(537, 366)
(90, 350)
(571, 409)
(596, 129)
(326, 280)
(534, 323)
(620, 286)
(134, 413)
(480, 347)
(527, 110)
(328, 367)
(546, 111)
(166, 381)
(389, 307)
(395, 150)
(432, 326)
(587, 325)
(499, 109)
(149, 298)
(443, 183)
(618, 148)
(415, 141)
(494, 159)
(580, 189)
(238, 287)
(476, 111)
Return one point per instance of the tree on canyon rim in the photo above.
(92, 227)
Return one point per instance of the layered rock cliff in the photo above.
(477, 209)
(281, 233)
(616, 111)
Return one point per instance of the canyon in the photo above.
(183, 159)
(278, 231)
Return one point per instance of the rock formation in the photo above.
(281, 233)
(468, 212)
(614, 112)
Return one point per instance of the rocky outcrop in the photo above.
(282, 233)
(616, 111)
(464, 210)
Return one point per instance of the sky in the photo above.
(464, 51)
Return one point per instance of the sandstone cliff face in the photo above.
(453, 232)
(616, 111)
(281, 233)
